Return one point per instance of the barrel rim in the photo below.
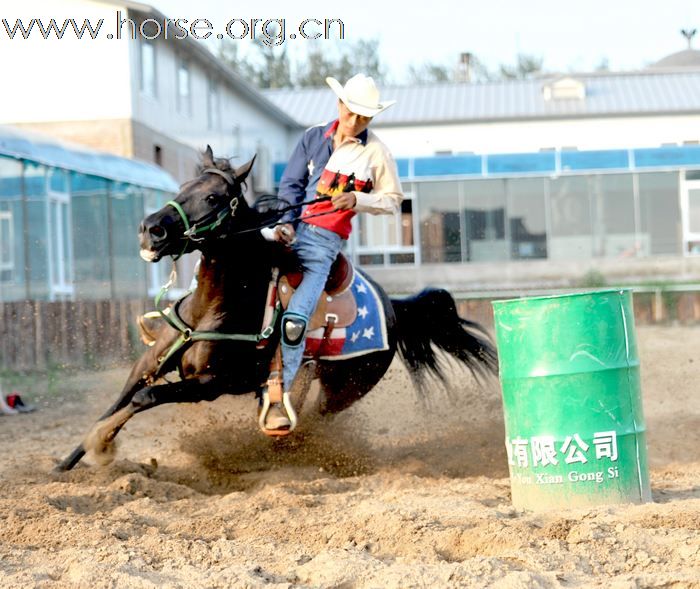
(620, 291)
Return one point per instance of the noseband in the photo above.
(211, 220)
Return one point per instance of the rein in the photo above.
(218, 217)
(200, 227)
(284, 210)
(187, 334)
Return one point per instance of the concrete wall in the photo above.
(535, 274)
(110, 135)
(178, 159)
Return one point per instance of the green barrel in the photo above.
(569, 371)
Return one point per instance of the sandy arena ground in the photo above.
(390, 495)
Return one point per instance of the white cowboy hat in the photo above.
(360, 95)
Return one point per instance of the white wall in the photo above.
(83, 79)
(63, 79)
(243, 124)
(518, 137)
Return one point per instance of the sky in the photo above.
(568, 35)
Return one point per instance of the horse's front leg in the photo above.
(191, 390)
(140, 375)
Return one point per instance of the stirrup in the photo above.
(285, 402)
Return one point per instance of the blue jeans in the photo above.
(316, 249)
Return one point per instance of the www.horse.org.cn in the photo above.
(271, 31)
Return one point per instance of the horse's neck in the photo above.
(233, 277)
(225, 282)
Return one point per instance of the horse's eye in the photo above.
(211, 199)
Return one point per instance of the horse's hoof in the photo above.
(97, 444)
(105, 453)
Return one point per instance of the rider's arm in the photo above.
(295, 179)
(386, 195)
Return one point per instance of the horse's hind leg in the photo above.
(343, 382)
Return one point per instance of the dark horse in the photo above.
(211, 215)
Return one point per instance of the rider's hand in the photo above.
(344, 201)
(285, 234)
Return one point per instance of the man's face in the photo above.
(351, 124)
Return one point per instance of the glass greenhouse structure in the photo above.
(69, 219)
(550, 205)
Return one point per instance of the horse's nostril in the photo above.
(157, 231)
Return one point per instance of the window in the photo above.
(213, 105)
(614, 234)
(386, 239)
(126, 210)
(440, 226)
(571, 219)
(527, 218)
(483, 218)
(149, 84)
(91, 236)
(660, 212)
(59, 235)
(599, 215)
(184, 103)
(37, 220)
(12, 267)
(7, 250)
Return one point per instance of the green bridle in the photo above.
(196, 231)
(203, 226)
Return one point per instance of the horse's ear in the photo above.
(244, 170)
(208, 157)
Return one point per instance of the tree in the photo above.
(526, 66)
(360, 56)
(603, 66)
(229, 54)
(269, 66)
(315, 69)
(431, 72)
(365, 59)
(276, 71)
(428, 73)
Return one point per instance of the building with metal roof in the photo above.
(136, 94)
(688, 58)
(535, 182)
(592, 111)
(605, 95)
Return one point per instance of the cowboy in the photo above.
(345, 161)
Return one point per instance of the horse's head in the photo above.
(206, 208)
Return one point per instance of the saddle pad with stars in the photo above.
(366, 334)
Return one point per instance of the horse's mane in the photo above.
(220, 163)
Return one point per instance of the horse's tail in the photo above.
(428, 321)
